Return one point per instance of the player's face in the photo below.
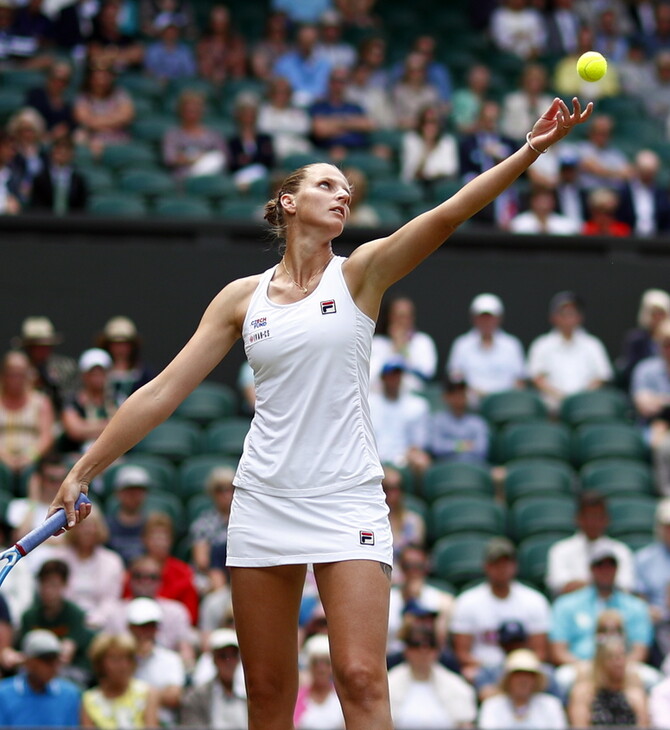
(323, 198)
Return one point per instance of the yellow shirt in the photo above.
(126, 711)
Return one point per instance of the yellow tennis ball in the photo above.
(592, 66)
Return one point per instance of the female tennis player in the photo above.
(309, 481)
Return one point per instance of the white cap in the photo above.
(221, 638)
(143, 611)
(132, 476)
(40, 642)
(317, 646)
(663, 512)
(94, 358)
(487, 304)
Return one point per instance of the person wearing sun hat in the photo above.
(522, 702)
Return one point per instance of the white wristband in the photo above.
(529, 143)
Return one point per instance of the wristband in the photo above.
(529, 143)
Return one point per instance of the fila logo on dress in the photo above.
(367, 537)
(328, 307)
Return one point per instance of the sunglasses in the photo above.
(146, 576)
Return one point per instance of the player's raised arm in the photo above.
(380, 263)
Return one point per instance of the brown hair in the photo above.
(158, 520)
(273, 210)
(104, 643)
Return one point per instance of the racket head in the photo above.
(8, 559)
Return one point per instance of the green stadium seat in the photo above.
(152, 127)
(532, 556)
(535, 439)
(181, 206)
(149, 183)
(131, 155)
(371, 165)
(512, 406)
(608, 440)
(209, 402)
(444, 189)
(141, 85)
(631, 515)
(162, 471)
(416, 504)
(98, 179)
(595, 406)
(11, 100)
(196, 506)
(6, 478)
(175, 439)
(537, 477)
(299, 159)
(194, 470)
(540, 515)
(118, 205)
(214, 188)
(241, 210)
(226, 436)
(456, 478)
(22, 79)
(459, 559)
(475, 514)
(637, 540)
(620, 477)
(6, 497)
(389, 214)
(394, 191)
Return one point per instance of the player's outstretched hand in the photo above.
(556, 122)
(67, 495)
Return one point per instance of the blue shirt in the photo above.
(574, 618)
(325, 108)
(652, 571)
(170, 63)
(308, 76)
(303, 11)
(21, 706)
(464, 438)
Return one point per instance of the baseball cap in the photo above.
(317, 646)
(487, 304)
(39, 643)
(421, 609)
(221, 638)
(511, 632)
(499, 547)
(394, 365)
(663, 512)
(132, 476)
(562, 298)
(94, 358)
(602, 551)
(143, 611)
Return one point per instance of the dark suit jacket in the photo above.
(43, 191)
(628, 213)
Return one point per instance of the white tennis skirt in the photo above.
(352, 524)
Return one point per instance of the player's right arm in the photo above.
(219, 328)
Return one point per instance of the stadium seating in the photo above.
(226, 436)
(209, 402)
(181, 206)
(608, 440)
(532, 557)
(512, 406)
(459, 559)
(541, 515)
(118, 205)
(593, 406)
(455, 478)
(175, 439)
(534, 439)
(538, 477)
(162, 471)
(614, 477)
(194, 470)
(475, 514)
(631, 515)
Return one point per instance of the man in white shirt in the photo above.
(567, 359)
(542, 217)
(480, 611)
(489, 359)
(568, 560)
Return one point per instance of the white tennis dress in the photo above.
(309, 480)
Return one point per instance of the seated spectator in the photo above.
(480, 611)
(575, 614)
(209, 532)
(51, 610)
(55, 374)
(287, 124)
(273, 43)
(455, 434)
(10, 177)
(611, 36)
(655, 98)
(361, 213)
(103, 110)
(408, 527)
(22, 46)
(399, 420)
(488, 358)
(644, 204)
(640, 342)
(338, 126)
(522, 701)
(612, 696)
(520, 108)
(26, 419)
(177, 581)
(562, 22)
(429, 153)
(221, 52)
(108, 45)
(467, 101)
(517, 28)
(542, 216)
(602, 205)
(37, 696)
(32, 24)
(88, 412)
(636, 70)
(218, 701)
(438, 73)
(307, 73)
(331, 45)
(192, 148)
(568, 559)
(251, 155)
(96, 572)
(422, 690)
(601, 163)
(126, 523)
(397, 336)
(567, 359)
(118, 697)
(59, 188)
(657, 35)
(152, 13)
(374, 99)
(317, 704)
(27, 129)
(372, 52)
(570, 196)
(413, 92)
(652, 567)
(73, 26)
(659, 705)
(161, 668)
(169, 58)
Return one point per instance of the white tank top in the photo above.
(311, 433)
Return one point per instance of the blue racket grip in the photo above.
(48, 528)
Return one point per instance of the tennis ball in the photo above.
(592, 66)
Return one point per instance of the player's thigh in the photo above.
(266, 606)
(355, 597)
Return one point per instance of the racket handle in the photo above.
(48, 528)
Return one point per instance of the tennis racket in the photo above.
(50, 526)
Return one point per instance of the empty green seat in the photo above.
(196, 506)
(241, 210)
(540, 515)
(476, 514)
(512, 406)
(194, 470)
(23, 79)
(416, 504)
(118, 205)
(226, 436)
(146, 182)
(152, 127)
(98, 179)
(617, 477)
(131, 155)
(212, 187)
(608, 440)
(592, 406)
(539, 477)
(142, 85)
(456, 478)
(11, 100)
(532, 556)
(371, 165)
(181, 206)
(395, 191)
(459, 559)
(631, 515)
(535, 439)
(209, 402)
(175, 439)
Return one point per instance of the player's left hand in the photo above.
(557, 121)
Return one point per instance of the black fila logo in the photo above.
(367, 537)
(328, 307)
